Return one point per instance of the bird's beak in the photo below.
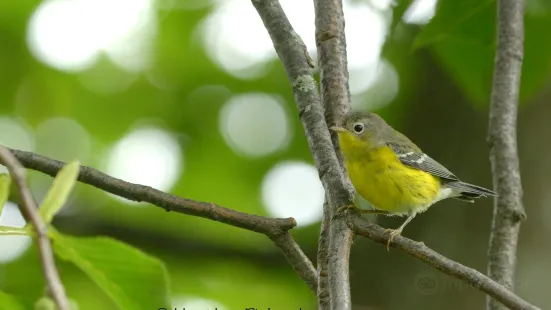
(337, 129)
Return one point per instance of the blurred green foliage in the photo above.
(445, 74)
(8, 302)
(463, 37)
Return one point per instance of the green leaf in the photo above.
(458, 20)
(59, 192)
(463, 34)
(4, 189)
(132, 279)
(8, 302)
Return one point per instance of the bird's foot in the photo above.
(352, 207)
(348, 207)
(392, 233)
(380, 212)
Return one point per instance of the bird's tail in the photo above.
(468, 192)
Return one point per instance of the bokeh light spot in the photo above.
(228, 33)
(234, 24)
(70, 34)
(147, 156)
(130, 43)
(12, 247)
(293, 189)
(58, 35)
(379, 89)
(361, 80)
(255, 124)
(366, 30)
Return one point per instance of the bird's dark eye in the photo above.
(358, 128)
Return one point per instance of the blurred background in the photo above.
(189, 97)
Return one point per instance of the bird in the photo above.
(392, 173)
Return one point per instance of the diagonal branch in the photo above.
(274, 228)
(418, 250)
(293, 54)
(29, 208)
(299, 261)
(502, 139)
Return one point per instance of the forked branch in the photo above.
(29, 208)
(276, 229)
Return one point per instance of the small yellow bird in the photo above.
(392, 173)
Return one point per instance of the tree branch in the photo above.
(293, 54)
(502, 139)
(276, 229)
(301, 264)
(418, 250)
(29, 208)
(331, 45)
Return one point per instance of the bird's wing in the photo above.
(410, 155)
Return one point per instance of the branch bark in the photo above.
(331, 45)
(29, 208)
(324, 300)
(276, 229)
(418, 250)
(502, 139)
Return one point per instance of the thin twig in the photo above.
(275, 228)
(293, 54)
(29, 208)
(418, 250)
(301, 264)
(502, 139)
(331, 45)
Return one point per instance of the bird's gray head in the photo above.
(366, 126)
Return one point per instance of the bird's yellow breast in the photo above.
(386, 183)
